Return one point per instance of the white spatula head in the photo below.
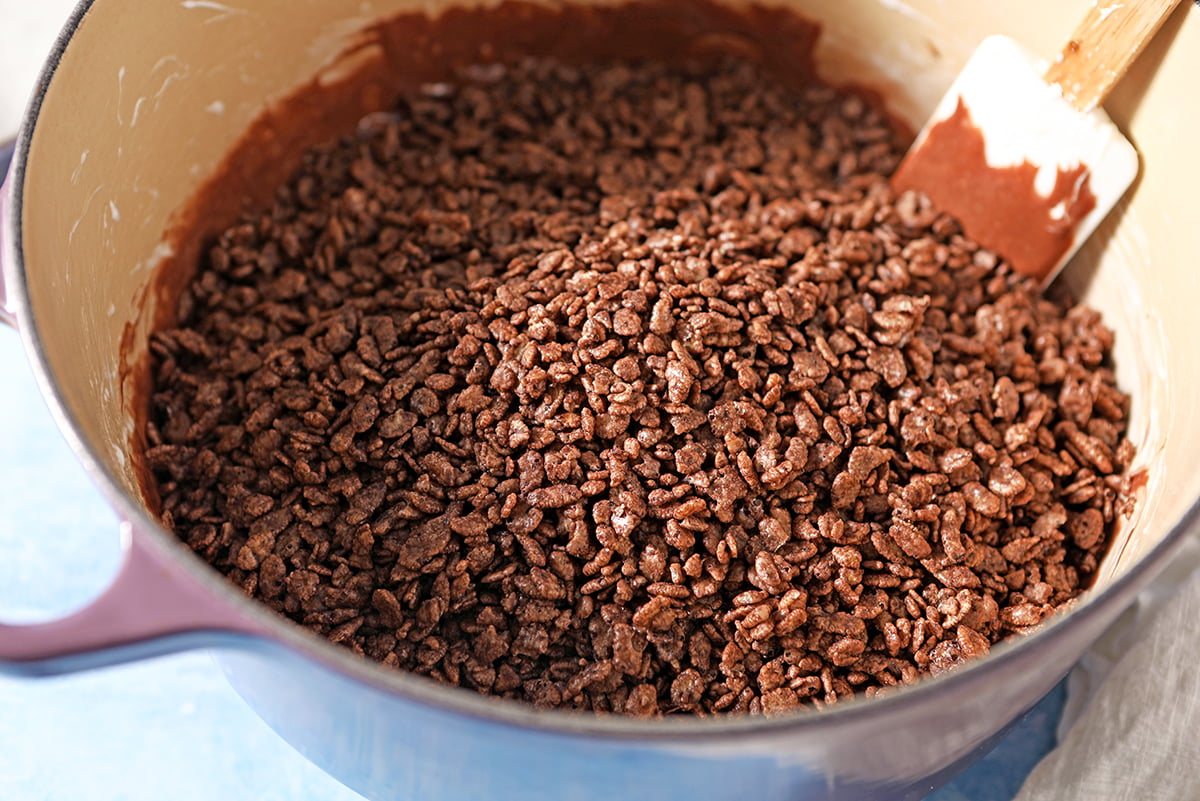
(1026, 174)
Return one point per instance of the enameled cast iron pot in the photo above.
(138, 104)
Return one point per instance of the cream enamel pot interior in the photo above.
(140, 102)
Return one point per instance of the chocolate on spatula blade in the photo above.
(1020, 152)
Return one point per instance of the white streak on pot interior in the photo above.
(180, 73)
(101, 377)
(114, 211)
(162, 251)
(75, 174)
(164, 61)
(118, 453)
(123, 430)
(224, 11)
(137, 109)
(120, 93)
(174, 76)
(87, 204)
(216, 107)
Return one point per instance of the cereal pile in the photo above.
(636, 390)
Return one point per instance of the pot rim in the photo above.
(1103, 606)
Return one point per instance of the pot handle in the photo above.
(149, 610)
(152, 607)
(7, 148)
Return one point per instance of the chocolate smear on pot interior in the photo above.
(634, 388)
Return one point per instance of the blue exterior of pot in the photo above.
(393, 746)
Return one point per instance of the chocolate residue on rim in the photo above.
(407, 51)
(998, 206)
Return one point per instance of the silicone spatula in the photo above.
(1021, 152)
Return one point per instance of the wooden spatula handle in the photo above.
(1103, 46)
